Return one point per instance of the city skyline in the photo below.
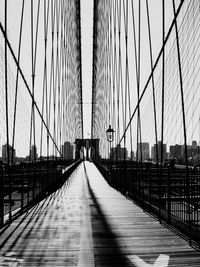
(68, 151)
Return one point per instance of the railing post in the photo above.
(22, 191)
(28, 177)
(124, 177)
(168, 195)
(34, 180)
(159, 190)
(150, 183)
(9, 175)
(2, 197)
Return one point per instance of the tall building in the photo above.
(154, 153)
(33, 153)
(119, 152)
(143, 151)
(192, 150)
(67, 151)
(177, 153)
(194, 143)
(5, 153)
(132, 155)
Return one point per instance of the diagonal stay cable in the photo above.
(154, 67)
(17, 80)
(26, 84)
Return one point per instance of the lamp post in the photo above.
(110, 138)
(110, 134)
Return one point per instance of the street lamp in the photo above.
(110, 134)
(110, 138)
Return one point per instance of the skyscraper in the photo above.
(119, 152)
(158, 147)
(33, 153)
(67, 150)
(5, 153)
(143, 151)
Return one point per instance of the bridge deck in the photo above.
(87, 223)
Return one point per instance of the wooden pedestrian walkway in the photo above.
(87, 223)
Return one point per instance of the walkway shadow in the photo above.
(107, 249)
(29, 221)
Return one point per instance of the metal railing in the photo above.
(169, 192)
(24, 185)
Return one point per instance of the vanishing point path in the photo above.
(88, 223)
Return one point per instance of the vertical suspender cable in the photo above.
(44, 75)
(154, 67)
(25, 83)
(163, 80)
(120, 80)
(59, 79)
(162, 112)
(55, 80)
(111, 66)
(46, 91)
(6, 88)
(32, 128)
(33, 56)
(153, 83)
(80, 65)
(137, 67)
(183, 114)
(116, 74)
(52, 61)
(93, 68)
(139, 130)
(125, 6)
(7, 119)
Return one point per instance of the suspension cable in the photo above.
(155, 64)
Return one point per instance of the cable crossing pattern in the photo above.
(41, 111)
(146, 87)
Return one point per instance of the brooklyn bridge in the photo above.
(100, 133)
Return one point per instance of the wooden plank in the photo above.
(88, 223)
(86, 252)
(49, 235)
(122, 232)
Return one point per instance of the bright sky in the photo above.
(87, 41)
(13, 21)
(86, 44)
(14, 9)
